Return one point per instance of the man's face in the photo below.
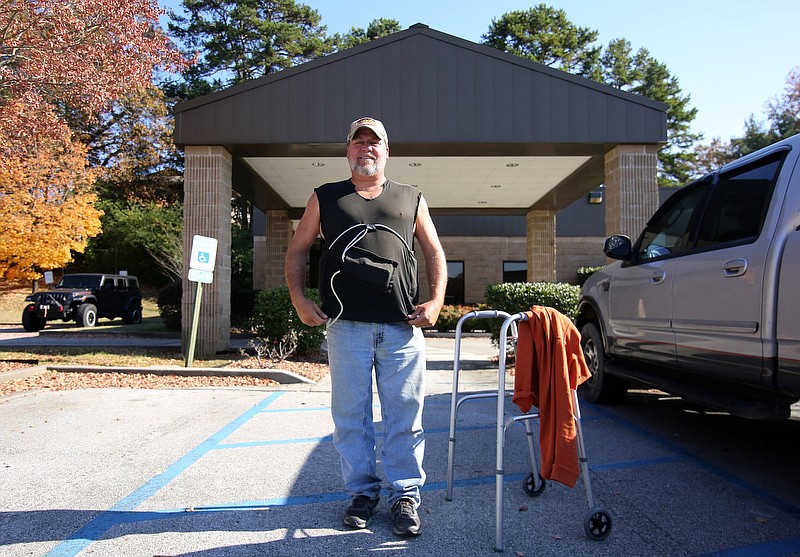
(367, 153)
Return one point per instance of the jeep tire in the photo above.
(86, 315)
(31, 320)
(133, 315)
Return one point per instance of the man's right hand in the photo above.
(310, 313)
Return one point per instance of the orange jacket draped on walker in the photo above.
(549, 364)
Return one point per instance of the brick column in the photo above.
(207, 188)
(631, 188)
(279, 232)
(541, 246)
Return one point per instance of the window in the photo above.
(739, 203)
(668, 231)
(454, 293)
(515, 271)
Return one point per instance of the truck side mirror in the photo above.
(618, 246)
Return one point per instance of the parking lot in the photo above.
(239, 472)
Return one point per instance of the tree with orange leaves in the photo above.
(55, 58)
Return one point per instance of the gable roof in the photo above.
(438, 95)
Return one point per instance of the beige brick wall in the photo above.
(575, 252)
(207, 212)
(279, 232)
(631, 188)
(483, 259)
(541, 246)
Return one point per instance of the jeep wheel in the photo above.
(86, 316)
(600, 388)
(31, 321)
(133, 316)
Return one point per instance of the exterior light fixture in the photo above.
(595, 197)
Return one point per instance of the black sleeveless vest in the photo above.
(368, 270)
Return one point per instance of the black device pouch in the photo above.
(369, 269)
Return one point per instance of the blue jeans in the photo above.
(397, 352)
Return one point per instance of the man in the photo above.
(368, 287)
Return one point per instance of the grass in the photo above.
(12, 302)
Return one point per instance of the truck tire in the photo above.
(600, 388)
(133, 315)
(31, 321)
(86, 315)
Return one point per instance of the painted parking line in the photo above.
(122, 512)
(98, 526)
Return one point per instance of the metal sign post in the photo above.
(201, 270)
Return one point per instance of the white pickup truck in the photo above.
(705, 304)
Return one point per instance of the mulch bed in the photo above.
(314, 369)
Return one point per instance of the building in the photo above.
(490, 139)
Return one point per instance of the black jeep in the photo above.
(84, 298)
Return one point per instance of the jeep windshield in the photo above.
(86, 282)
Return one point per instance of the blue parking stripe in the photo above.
(98, 526)
(789, 546)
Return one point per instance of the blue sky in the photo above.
(730, 56)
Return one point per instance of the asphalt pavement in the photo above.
(244, 471)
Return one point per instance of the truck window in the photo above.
(667, 233)
(739, 203)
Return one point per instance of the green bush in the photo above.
(169, 305)
(449, 316)
(514, 297)
(274, 318)
(585, 272)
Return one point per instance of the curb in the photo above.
(282, 376)
(279, 375)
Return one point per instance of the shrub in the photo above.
(514, 297)
(169, 305)
(275, 319)
(585, 272)
(449, 316)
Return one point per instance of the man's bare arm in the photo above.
(295, 271)
(426, 313)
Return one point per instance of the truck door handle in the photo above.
(734, 267)
(657, 277)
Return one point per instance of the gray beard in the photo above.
(372, 170)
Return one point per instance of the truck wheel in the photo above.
(600, 388)
(133, 316)
(86, 316)
(32, 322)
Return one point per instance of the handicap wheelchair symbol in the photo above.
(203, 257)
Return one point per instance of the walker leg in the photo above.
(451, 446)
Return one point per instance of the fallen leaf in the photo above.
(523, 508)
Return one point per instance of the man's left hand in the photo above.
(425, 315)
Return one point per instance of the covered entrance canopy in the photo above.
(477, 130)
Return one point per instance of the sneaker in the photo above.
(406, 519)
(360, 511)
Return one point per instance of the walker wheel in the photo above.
(597, 524)
(530, 487)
